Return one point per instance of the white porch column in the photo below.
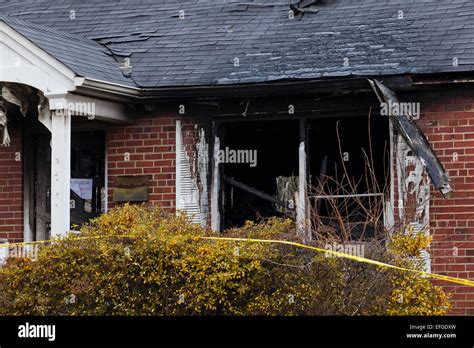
(60, 172)
(302, 225)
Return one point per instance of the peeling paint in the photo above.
(203, 166)
(414, 193)
(191, 177)
(413, 185)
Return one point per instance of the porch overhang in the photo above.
(23, 62)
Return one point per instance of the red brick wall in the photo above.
(150, 142)
(448, 121)
(11, 189)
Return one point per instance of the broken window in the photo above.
(340, 151)
(271, 152)
(349, 175)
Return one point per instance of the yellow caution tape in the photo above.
(275, 241)
(352, 257)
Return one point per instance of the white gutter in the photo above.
(113, 88)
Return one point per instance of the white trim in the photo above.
(29, 52)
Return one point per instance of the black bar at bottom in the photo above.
(223, 331)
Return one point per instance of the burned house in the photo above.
(236, 110)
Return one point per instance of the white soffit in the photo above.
(82, 106)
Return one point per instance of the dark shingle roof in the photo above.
(84, 56)
(346, 37)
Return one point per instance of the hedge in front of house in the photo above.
(142, 261)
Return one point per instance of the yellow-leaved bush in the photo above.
(412, 294)
(139, 260)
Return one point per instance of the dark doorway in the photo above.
(88, 176)
(87, 179)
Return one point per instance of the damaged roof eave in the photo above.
(261, 88)
(416, 140)
(353, 83)
(345, 84)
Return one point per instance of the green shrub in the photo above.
(142, 261)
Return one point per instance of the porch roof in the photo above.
(83, 56)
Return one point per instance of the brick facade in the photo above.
(11, 189)
(146, 147)
(448, 122)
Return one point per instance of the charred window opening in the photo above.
(349, 166)
(347, 161)
(276, 147)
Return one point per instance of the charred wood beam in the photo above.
(256, 192)
(289, 106)
(431, 80)
(415, 139)
(281, 87)
(281, 115)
